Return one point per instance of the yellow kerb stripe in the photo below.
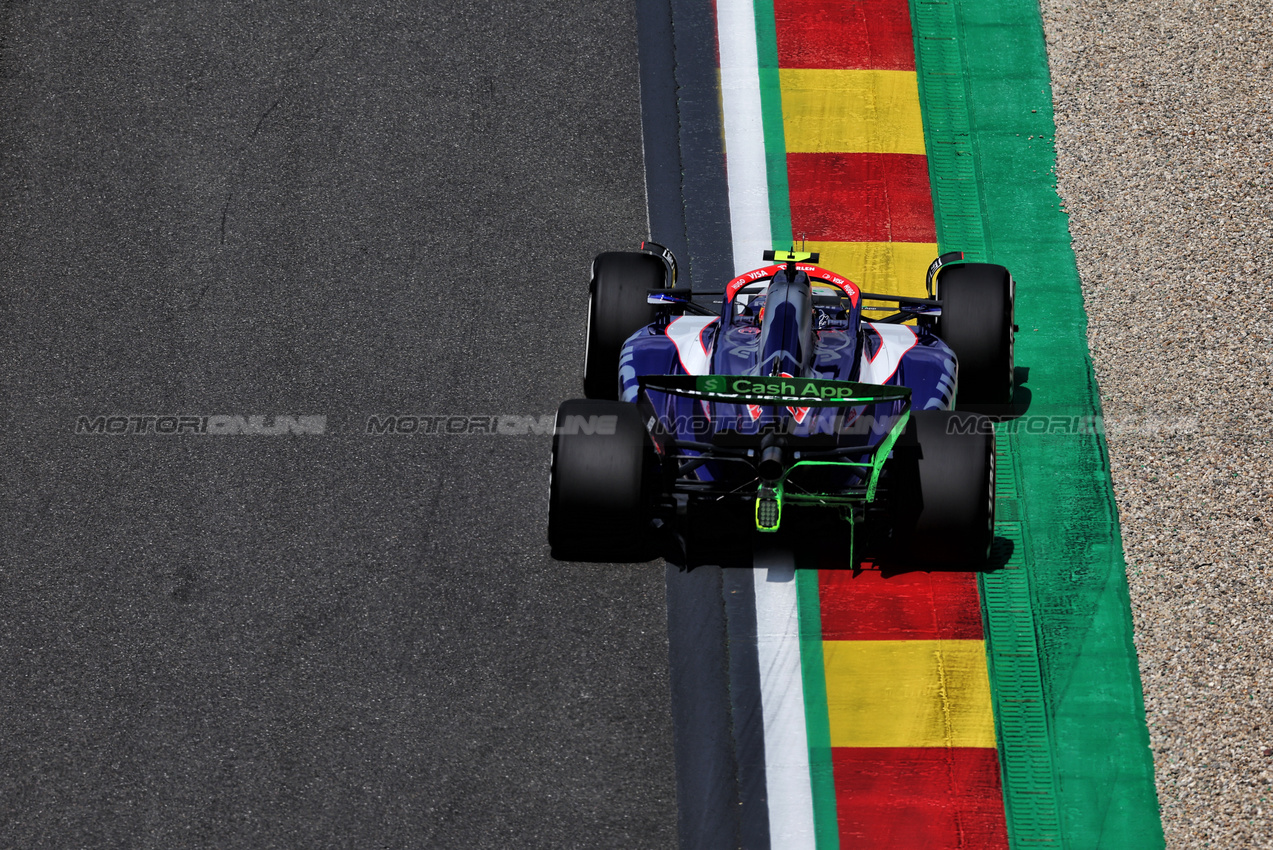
(889, 268)
(908, 693)
(851, 111)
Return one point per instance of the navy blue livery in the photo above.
(789, 391)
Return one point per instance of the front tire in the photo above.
(598, 500)
(942, 483)
(977, 323)
(617, 308)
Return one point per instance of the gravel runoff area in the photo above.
(1165, 165)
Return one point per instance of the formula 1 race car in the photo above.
(784, 396)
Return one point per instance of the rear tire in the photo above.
(977, 323)
(598, 494)
(941, 483)
(617, 308)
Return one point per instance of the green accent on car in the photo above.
(777, 492)
(768, 494)
(882, 453)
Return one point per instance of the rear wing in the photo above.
(771, 448)
(779, 391)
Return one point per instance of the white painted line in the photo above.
(787, 778)
(745, 169)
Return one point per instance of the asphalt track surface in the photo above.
(313, 641)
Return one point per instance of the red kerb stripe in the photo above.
(867, 604)
(861, 197)
(922, 798)
(846, 34)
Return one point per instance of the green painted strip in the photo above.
(1059, 613)
(952, 166)
(817, 721)
(771, 112)
(1012, 657)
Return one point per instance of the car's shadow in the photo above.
(831, 552)
(1001, 550)
(1021, 398)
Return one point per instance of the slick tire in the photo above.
(598, 492)
(617, 308)
(942, 484)
(977, 323)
